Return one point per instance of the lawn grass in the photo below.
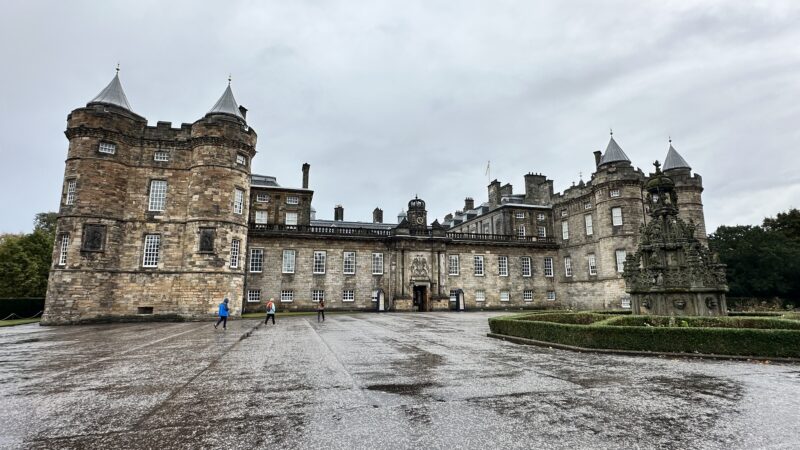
(11, 323)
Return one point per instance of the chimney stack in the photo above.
(338, 213)
(469, 204)
(597, 155)
(243, 111)
(306, 167)
(377, 215)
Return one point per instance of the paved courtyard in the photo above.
(372, 381)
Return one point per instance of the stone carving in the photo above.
(711, 303)
(419, 267)
(94, 237)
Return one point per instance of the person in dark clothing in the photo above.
(270, 312)
(223, 315)
(321, 310)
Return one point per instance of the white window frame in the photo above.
(290, 219)
(541, 231)
(377, 263)
(287, 296)
(587, 205)
(348, 295)
(151, 250)
(521, 230)
(72, 186)
(551, 296)
(616, 216)
(235, 248)
(479, 269)
(480, 296)
(527, 295)
(548, 267)
(262, 197)
(292, 200)
(261, 217)
(161, 155)
(238, 201)
(62, 249)
(317, 295)
(567, 266)
(502, 266)
(620, 255)
(564, 213)
(349, 263)
(505, 296)
(540, 217)
(253, 295)
(108, 148)
(241, 159)
(526, 266)
(288, 261)
(588, 222)
(453, 295)
(519, 215)
(256, 260)
(157, 200)
(320, 258)
(613, 193)
(591, 261)
(565, 230)
(453, 267)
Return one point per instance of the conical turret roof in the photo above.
(613, 153)
(674, 160)
(113, 95)
(226, 105)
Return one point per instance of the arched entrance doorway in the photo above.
(380, 300)
(421, 297)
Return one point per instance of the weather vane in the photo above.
(117, 67)
(229, 79)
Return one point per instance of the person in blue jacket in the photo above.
(223, 314)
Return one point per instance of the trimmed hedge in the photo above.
(23, 307)
(718, 341)
(577, 318)
(766, 323)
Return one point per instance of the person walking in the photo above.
(223, 315)
(270, 311)
(321, 310)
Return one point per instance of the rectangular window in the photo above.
(287, 296)
(480, 296)
(540, 217)
(519, 215)
(526, 266)
(377, 263)
(253, 295)
(567, 266)
(262, 198)
(256, 260)
(565, 230)
(587, 205)
(288, 261)
(621, 254)
(292, 200)
(161, 156)
(521, 231)
(152, 244)
(349, 263)
(453, 268)
(71, 186)
(502, 266)
(616, 216)
(158, 195)
(235, 244)
(548, 267)
(563, 213)
(107, 147)
(348, 295)
(238, 201)
(527, 295)
(453, 295)
(241, 159)
(291, 219)
(613, 193)
(541, 232)
(207, 236)
(592, 264)
(587, 219)
(504, 296)
(62, 249)
(317, 295)
(319, 262)
(551, 295)
(478, 263)
(261, 217)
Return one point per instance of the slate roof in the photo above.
(674, 160)
(113, 95)
(613, 153)
(226, 105)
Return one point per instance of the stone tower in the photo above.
(672, 273)
(689, 189)
(417, 216)
(151, 221)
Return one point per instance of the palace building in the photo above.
(161, 222)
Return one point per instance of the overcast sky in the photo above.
(388, 99)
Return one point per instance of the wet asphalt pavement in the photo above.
(372, 381)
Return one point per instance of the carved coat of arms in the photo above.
(419, 266)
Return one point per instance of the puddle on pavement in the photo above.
(414, 389)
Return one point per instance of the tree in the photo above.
(787, 223)
(25, 259)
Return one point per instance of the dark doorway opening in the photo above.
(421, 298)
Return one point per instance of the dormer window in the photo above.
(107, 147)
(241, 159)
(161, 156)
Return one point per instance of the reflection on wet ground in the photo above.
(371, 381)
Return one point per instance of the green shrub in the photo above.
(579, 318)
(721, 341)
(791, 316)
(704, 322)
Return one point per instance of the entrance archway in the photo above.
(421, 297)
(380, 300)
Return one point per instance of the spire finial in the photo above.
(670, 140)
(117, 68)
(229, 79)
(611, 130)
